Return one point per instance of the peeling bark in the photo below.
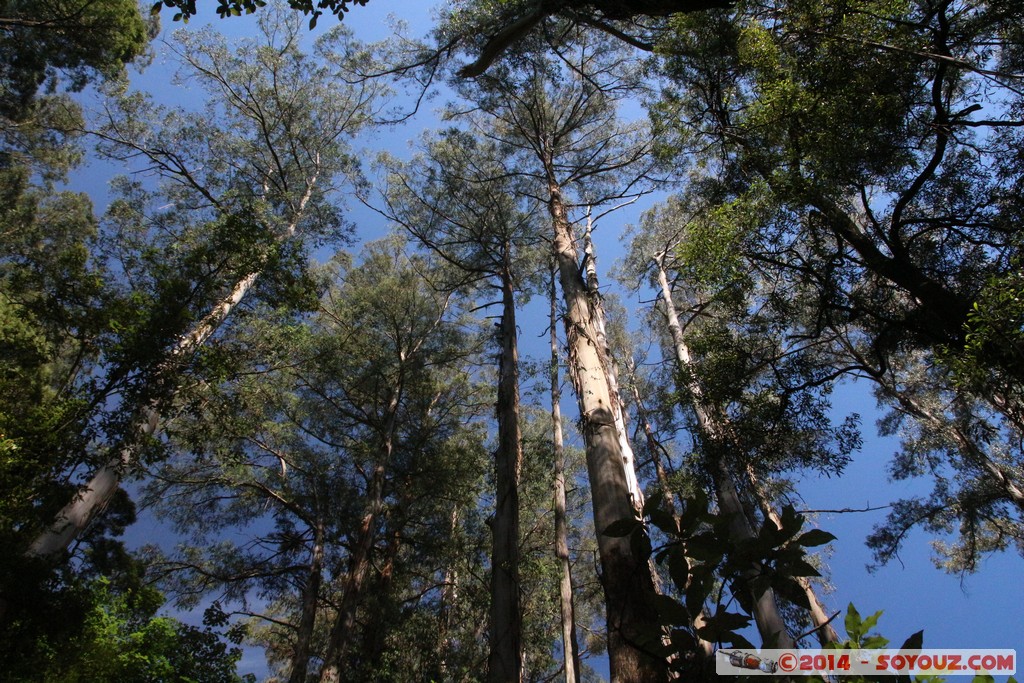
(593, 285)
(626, 578)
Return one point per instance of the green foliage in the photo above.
(107, 630)
(707, 566)
(235, 8)
(993, 347)
(889, 165)
(51, 319)
(123, 640)
(76, 39)
(284, 448)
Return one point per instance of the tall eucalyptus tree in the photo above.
(757, 393)
(245, 186)
(457, 201)
(337, 447)
(878, 146)
(558, 121)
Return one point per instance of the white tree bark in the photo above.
(715, 428)
(91, 499)
(627, 578)
(707, 648)
(628, 459)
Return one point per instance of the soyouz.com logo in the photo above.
(739, 662)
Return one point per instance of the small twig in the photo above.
(819, 626)
(842, 510)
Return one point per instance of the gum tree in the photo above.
(458, 203)
(560, 125)
(878, 145)
(245, 186)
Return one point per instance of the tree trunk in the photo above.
(707, 649)
(359, 561)
(825, 633)
(76, 516)
(310, 602)
(449, 596)
(570, 645)
(655, 448)
(626, 578)
(593, 286)
(766, 610)
(376, 639)
(505, 661)
(715, 431)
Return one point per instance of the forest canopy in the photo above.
(355, 449)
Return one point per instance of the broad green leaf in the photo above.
(670, 611)
(814, 538)
(914, 642)
(622, 527)
(678, 567)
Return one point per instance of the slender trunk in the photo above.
(819, 617)
(626, 578)
(593, 286)
(570, 645)
(310, 601)
(707, 648)
(89, 501)
(505, 661)
(769, 620)
(656, 450)
(449, 596)
(715, 430)
(359, 560)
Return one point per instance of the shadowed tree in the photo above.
(246, 186)
(457, 201)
